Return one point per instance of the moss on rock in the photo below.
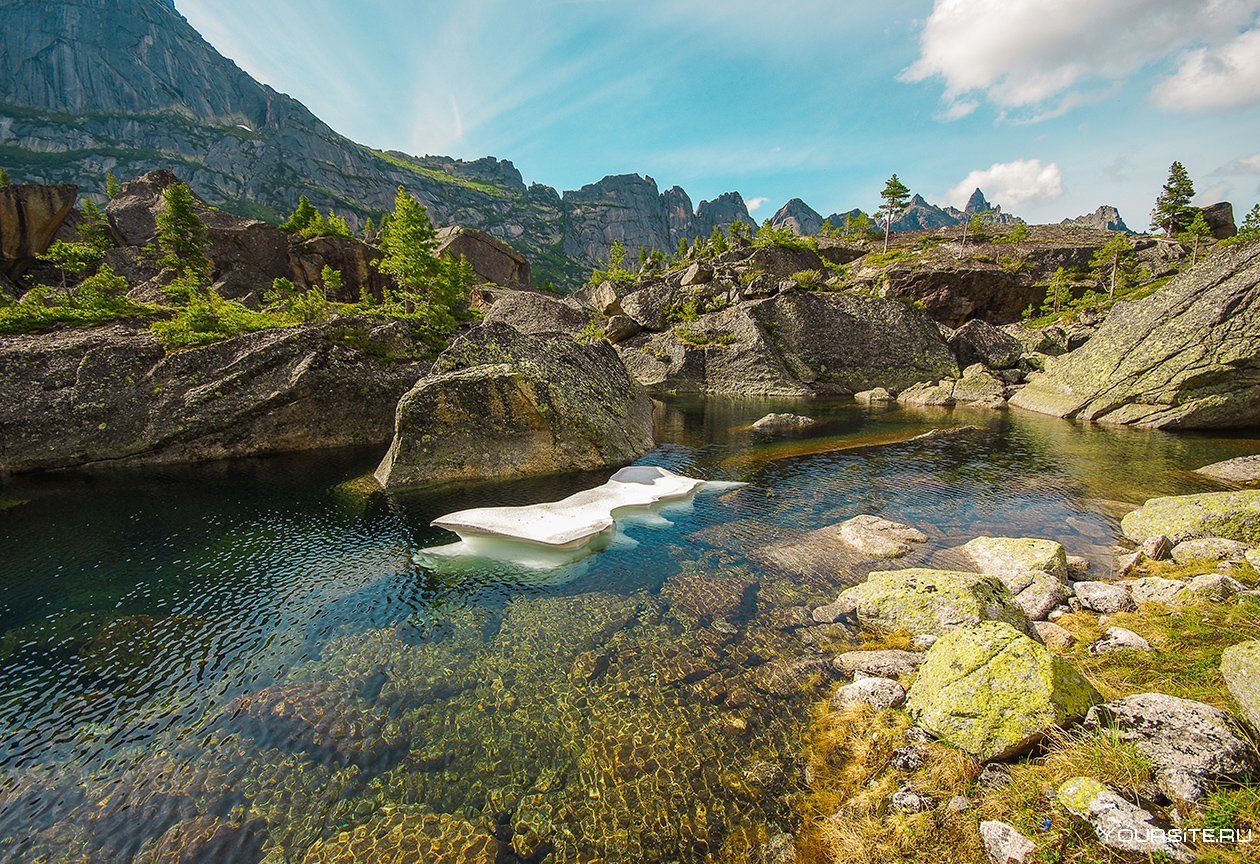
(921, 600)
(1232, 515)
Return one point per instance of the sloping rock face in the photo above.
(793, 344)
(500, 403)
(1187, 357)
(29, 219)
(956, 294)
(491, 258)
(111, 394)
(533, 312)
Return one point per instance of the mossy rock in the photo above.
(1240, 664)
(1011, 557)
(921, 600)
(1232, 515)
(992, 692)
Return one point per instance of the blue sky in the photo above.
(1052, 106)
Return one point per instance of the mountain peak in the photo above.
(977, 203)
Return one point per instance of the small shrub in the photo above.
(98, 299)
(808, 280)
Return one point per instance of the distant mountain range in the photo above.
(92, 86)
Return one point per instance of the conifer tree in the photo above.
(408, 242)
(302, 217)
(1196, 232)
(1173, 211)
(181, 235)
(4, 179)
(896, 196)
(1114, 262)
(1250, 228)
(112, 186)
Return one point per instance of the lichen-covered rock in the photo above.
(1192, 745)
(1042, 595)
(404, 834)
(535, 313)
(1214, 549)
(1011, 558)
(931, 601)
(499, 403)
(980, 342)
(1244, 470)
(1240, 666)
(1232, 515)
(1104, 597)
(879, 538)
(1155, 589)
(979, 387)
(993, 692)
(1118, 823)
(1058, 639)
(1216, 587)
(879, 693)
(1119, 639)
(1184, 358)
(1004, 844)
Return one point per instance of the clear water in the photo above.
(244, 661)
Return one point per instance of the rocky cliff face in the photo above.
(1187, 357)
(1105, 218)
(802, 219)
(129, 86)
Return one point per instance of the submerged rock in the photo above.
(1232, 515)
(993, 692)
(499, 403)
(876, 537)
(931, 601)
(1192, 745)
(888, 663)
(1186, 357)
(784, 423)
(408, 834)
(1117, 822)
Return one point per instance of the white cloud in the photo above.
(1040, 58)
(1245, 165)
(1213, 79)
(1011, 184)
(754, 204)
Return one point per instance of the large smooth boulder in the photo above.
(1220, 218)
(795, 344)
(1187, 357)
(920, 600)
(993, 692)
(113, 394)
(1192, 745)
(491, 258)
(1240, 665)
(29, 218)
(535, 313)
(501, 403)
(1117, 822)
(1243, 470)
(1232, 515)
(1010, 558)
(980, 342)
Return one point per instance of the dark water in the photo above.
(245, 661)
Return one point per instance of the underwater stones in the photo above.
(779, 849)
(920, 600)
(1003, 844)
(316, 717)
(710, 596)
(1192, 745)
(1009, 558)
(205, 838)
(500, 403)
(783, 423)
(887, 663)
(1232, 515)
(1240, 666)
(1119, 639)
(993, 692)
(1117, 822)
(1104, 597)
(788, 676)
(876, 537)
(402, 835)
(1244, 470)
(879, 693)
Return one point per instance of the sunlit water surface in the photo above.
(243, 661)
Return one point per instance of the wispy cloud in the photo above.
(754, 204)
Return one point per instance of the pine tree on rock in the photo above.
(112, 186)
(1114, 262)
(303, 215)
(1173, 210)
(408, 241)
(1195, 234)
(181, 235)
(896, 196)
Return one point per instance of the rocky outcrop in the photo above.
(113, 395)
(978, 341)
(491, 259)
(930, 601)
(1220, 218)
(793, 344)
(350, 256)
(500, 403)
(29, 219)
(533, 313)
(993, 692)
(1244, 470)
(798, 217)
(1105, 218)
(955, 292)
(1231, 515)
(1240, 666)
(1187, 357)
